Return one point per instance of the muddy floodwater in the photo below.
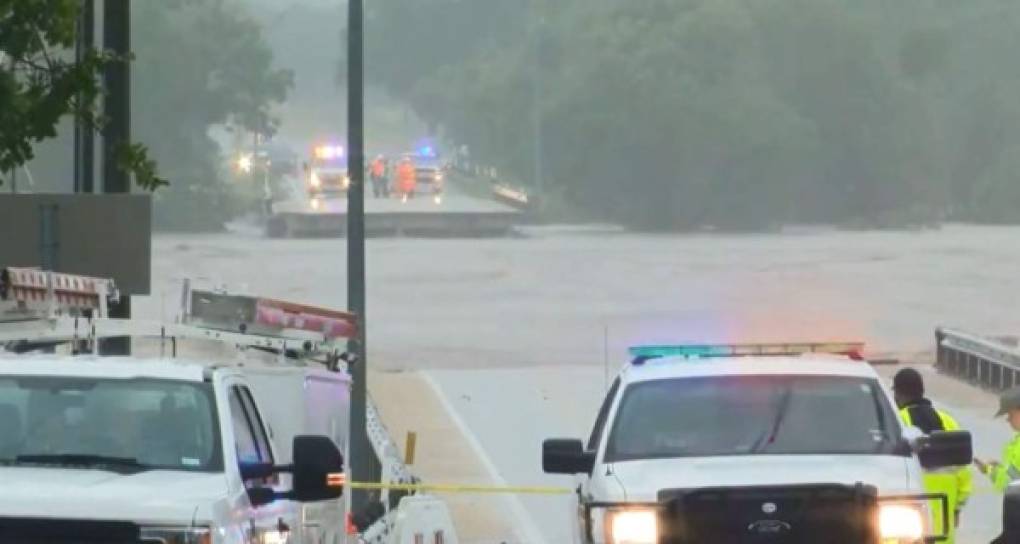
(568, 295)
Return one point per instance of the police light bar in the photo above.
(328, 152)
(31, 292)
(850, 349)
(268, 316)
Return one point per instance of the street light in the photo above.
(244, 163)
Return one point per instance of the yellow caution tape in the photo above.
(460, 488)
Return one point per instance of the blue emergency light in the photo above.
(646, 352)
(697, 351)
(426, 151)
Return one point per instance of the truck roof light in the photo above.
(328, 152)
(641, 354)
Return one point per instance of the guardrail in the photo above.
(394, 471)
(988, 362)
(501, 191)
(512, 196)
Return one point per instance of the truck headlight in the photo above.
(274, 537)
(347, 182)
(314, 181)
(632, 527)
(900, 523)
(177, 535)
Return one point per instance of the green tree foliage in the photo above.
(200, 64)
(40, 83)
(677, 114)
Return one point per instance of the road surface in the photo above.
(523, 314)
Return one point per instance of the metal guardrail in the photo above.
(988, 362)
(394, 471)
(513, 197)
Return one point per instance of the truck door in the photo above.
(252, 444)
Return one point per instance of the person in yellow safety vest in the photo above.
(955, 482)
(1007, 471)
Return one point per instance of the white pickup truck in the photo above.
(753, 443)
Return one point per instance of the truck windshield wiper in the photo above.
(769, 436)
(116, 464)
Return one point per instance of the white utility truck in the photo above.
(778, 443)
(172, 448)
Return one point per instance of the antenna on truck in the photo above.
(42, 308)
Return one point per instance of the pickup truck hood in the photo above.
(642, 480)
(147, 497)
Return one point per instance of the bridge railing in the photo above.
(992, 363)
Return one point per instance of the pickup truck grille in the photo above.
(67, 531)
(771, 515)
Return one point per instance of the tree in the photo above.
(677, 114)
(40, 84)
(201, 65)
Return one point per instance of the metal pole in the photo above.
(537, 112)
(364, 466)
(117, 108)
(84, 141)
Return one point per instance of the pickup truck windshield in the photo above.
(131, 425)
(752, 415)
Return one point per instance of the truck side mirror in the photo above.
(566, 456)
(318, 469)
(944, 449)
(261, 496)
(304, 166)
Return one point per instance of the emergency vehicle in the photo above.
(752, 443)
(173, 447)
(326, 173)
(429, 170)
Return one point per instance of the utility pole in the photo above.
(84, 136)
(364, 465)
(117, 133)
(538, 91)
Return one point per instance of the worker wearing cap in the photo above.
(1007, 471)
(917, 411)
(1002, 473)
